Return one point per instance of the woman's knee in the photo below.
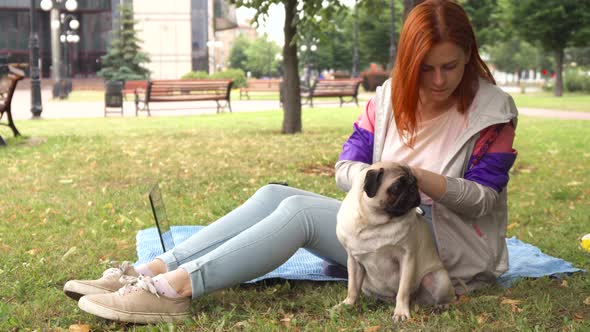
(270, 191)
(297, 203)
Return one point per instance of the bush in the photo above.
(195, 75)
(576, 80)
(237, 75)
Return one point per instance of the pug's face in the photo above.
(390, 189)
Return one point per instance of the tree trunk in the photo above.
(355, 46)
(291, 90)
(558, 89)
(392, 45)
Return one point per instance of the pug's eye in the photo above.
(396, 188)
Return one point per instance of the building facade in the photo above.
(174, 33)
(226, 38)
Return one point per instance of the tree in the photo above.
(555, 24)
(124, 59)
(300, 16)
(515, 56)
(237, 55)
(261, 57)
(375, 39)
(487, 18)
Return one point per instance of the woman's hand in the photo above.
(432, 184)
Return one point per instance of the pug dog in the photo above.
(391, 251)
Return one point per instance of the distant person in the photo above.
(440, 113)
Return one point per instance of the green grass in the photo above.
(79, 187)
(546, 100)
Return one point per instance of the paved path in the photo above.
(54, 109)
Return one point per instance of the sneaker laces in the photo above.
(142, 282)
(117, 272)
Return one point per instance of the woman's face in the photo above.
(441, 72)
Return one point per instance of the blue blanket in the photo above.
(526, 261)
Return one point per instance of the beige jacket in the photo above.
(473, 255)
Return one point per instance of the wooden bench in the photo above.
(270, 85)
(131, 86)
(183, 90)
(7, 86)
(334, 88)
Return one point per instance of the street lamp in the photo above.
(214, 44)
(36, 106)
(66, 25)
(308, 65)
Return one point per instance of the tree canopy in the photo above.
(555, 25)
(124, 59)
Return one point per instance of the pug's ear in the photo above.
(373, 181)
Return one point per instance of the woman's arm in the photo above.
(432, 184)
(357, 151)
(475, 194)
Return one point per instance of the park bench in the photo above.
(7, 86)
(270, 85)
(183, 90)
(132, 85)
(340, 88)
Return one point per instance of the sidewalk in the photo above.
(61, 109)
(54, 109)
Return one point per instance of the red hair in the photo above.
(430, 23)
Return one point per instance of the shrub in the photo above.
(195, 75)
(237, 75)
(576, 80)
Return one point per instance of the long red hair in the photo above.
(430, 23)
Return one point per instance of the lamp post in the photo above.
(36, 106)
(308, 65)
(214, 44)
(66, 26)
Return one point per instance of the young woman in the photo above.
(440, 113)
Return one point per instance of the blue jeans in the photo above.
(259, 236)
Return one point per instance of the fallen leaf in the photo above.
(80, 328)
(578, 316)
(506, 300)
(5, 247)
(481, 319)
(68, 253)
(33, 252)
(512, 225)
(286, 320)
(587, 301)
(513, 303)
(564, 284)
(241, 323)
(373, 328)
(463, 299)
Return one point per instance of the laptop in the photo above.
(161, 219)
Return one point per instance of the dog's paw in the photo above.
(401, 314)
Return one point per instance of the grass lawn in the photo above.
(546, 100)
(74, 196)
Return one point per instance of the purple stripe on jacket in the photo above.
(359, 146)
(491, 170)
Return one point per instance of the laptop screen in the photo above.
(161, 218)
